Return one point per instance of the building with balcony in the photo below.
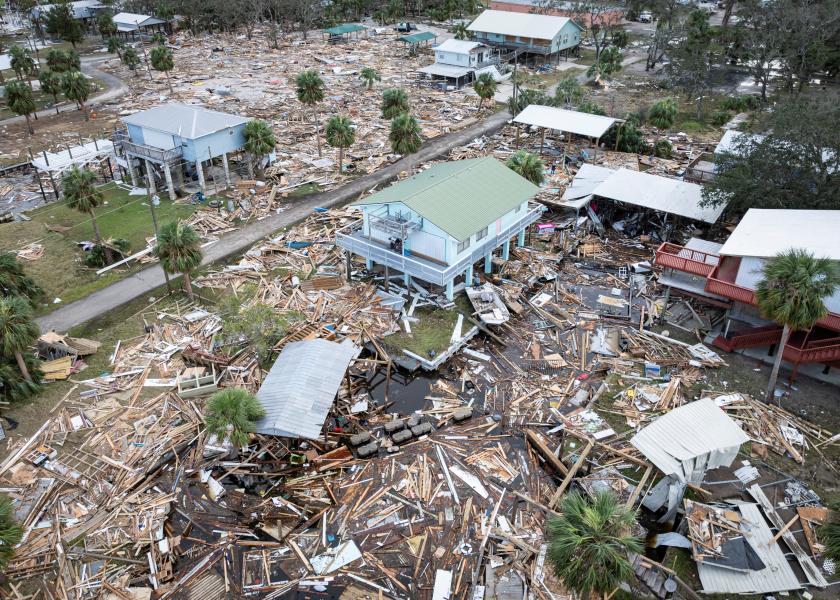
(177, 140)
(728, 275)
(460, 61)
(532, 33)
(435, 225)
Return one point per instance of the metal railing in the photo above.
(351, 238)
(159, 155)
(685, 259)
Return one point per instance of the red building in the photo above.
(728, 274)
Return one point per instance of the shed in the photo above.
(418, 38)
(569, 121)
(340, 32)
(299, 390)
(658, 193)
(131, 22)
(690, 439)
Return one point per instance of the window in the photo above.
(463, 246)
(481, 234)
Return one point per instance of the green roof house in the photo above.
(437, 224)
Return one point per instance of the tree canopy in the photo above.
(527, 165)
(231, 413)
(394, 102)
(179, 249)
(796, 165)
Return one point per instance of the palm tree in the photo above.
(50, 84)
(259, 141)
(568, 91)
(106, 25)
(370, 76)
(232, 413)
(10, 532)
(115, 46)
(791, 292)
(15, 282)
(81, 193)
(131, 59)
(527, 165)
(19, 99)
(17, 330)
(341, 135)
(663, 113)
(310, 91)
(589, 543)
(13, 385)
(179, 250)
(405, 136)
(460, 31)
(830, 532)
(76, 87)
(162, 60)
(485, 87)
(394, 102)
(21, 61)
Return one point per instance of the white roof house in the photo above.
(569, 121)
(765, 232)
(132, 21)
(457, 46)
(184, 120)
(528, 25)
(80, 9)
(658, 193)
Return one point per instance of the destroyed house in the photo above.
(526, 32)
(460, 61)
(133, 23)
(728, 274)
(436, 224)
(177, 140)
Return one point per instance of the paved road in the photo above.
(116, 88)
(134, 286)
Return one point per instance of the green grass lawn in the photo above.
(61, 271)
(434, 330)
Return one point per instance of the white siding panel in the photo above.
(749, 273)
(427, 245)
(158, 139)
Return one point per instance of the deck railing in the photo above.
(685, 259)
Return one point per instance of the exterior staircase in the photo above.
(750, 338)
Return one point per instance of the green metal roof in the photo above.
(345, 28)
(461, 197)
(416, 38)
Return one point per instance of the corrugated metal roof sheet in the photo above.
(658, 193)
(461, 197)
(541, 27)
(457, 46)
(185, 120)
(300, 388)
(416, 38)
(777, 574)
(442, 70)
(345, 28)
(765, 232)
(133, 20)
(571, 121)
(586, 179)
(690, 439)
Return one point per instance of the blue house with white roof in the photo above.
(179, 139)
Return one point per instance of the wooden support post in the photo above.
(555, 499)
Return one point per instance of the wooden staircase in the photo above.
(750, 338)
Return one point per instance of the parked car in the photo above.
(645, 17)
(405, 27)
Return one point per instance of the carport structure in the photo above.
(564, 121)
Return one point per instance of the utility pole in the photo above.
(152, 200)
